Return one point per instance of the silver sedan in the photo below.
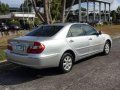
(57, 45)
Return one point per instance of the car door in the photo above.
(95, 40)
(77, 40)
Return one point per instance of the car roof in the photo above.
(68, 23)
(61, 24)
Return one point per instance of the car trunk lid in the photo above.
(21, 44)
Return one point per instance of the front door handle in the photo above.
(71, 41)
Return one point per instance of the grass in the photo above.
(2, 55)
(112, 30)
(3, 43)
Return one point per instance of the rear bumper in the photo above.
(34, 61)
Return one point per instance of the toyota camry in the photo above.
(57, 45)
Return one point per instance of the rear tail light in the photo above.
(9, 47)
(36, 48)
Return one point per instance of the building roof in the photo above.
(17, 15)
(107, 1)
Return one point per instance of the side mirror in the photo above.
(99, 32)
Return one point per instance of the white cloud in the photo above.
(13, 3)
(115, 4)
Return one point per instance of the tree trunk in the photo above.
(46, 11)
(47, 18)
(49, 6)
(36, 11)
(73, 1)
(63, 10)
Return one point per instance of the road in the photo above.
(93, 73)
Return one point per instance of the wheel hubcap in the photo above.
(67, 63)
(107, 48)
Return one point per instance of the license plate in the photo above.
(20, 47)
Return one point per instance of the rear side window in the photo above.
(45, 31)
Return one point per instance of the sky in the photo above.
(115, 4)
(17, 3)
(13, 3)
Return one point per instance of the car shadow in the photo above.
(22, 74)
(88, 58)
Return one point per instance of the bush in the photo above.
(37, 21)
(106, 23)
(14, 22)
(29, 23)
(32, 23)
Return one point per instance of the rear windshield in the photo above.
(45, 31)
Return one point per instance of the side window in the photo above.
(75, 30)
(89, 30)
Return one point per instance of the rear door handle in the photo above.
(71, 41)
(90, 38)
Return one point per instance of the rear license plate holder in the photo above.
(19, 48)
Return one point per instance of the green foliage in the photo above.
(113, 15)
(83, 9)
(30, 23)
(2, 55)
(55, 9)
(26, 6)
(14, 22)
(39, 3)
(106, 23)
(37, 21)
(118, 9)
(4, 8)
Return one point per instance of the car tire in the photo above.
(106, 49)
(66, 63)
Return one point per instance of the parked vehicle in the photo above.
(3, 27)
(14, 27)
(0, 27)
(57, 45)
(100, 23)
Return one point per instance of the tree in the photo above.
(4, 8)
(114, 15)
(37, 11)
(118, 10)
(26, 6)
(54, 10)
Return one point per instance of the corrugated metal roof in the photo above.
(68, 3)
(17, 15)
(109, 1)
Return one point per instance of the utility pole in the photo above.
(28, 12)
(23, 12)
(99, 11)
(80, 16)
(87, 11)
